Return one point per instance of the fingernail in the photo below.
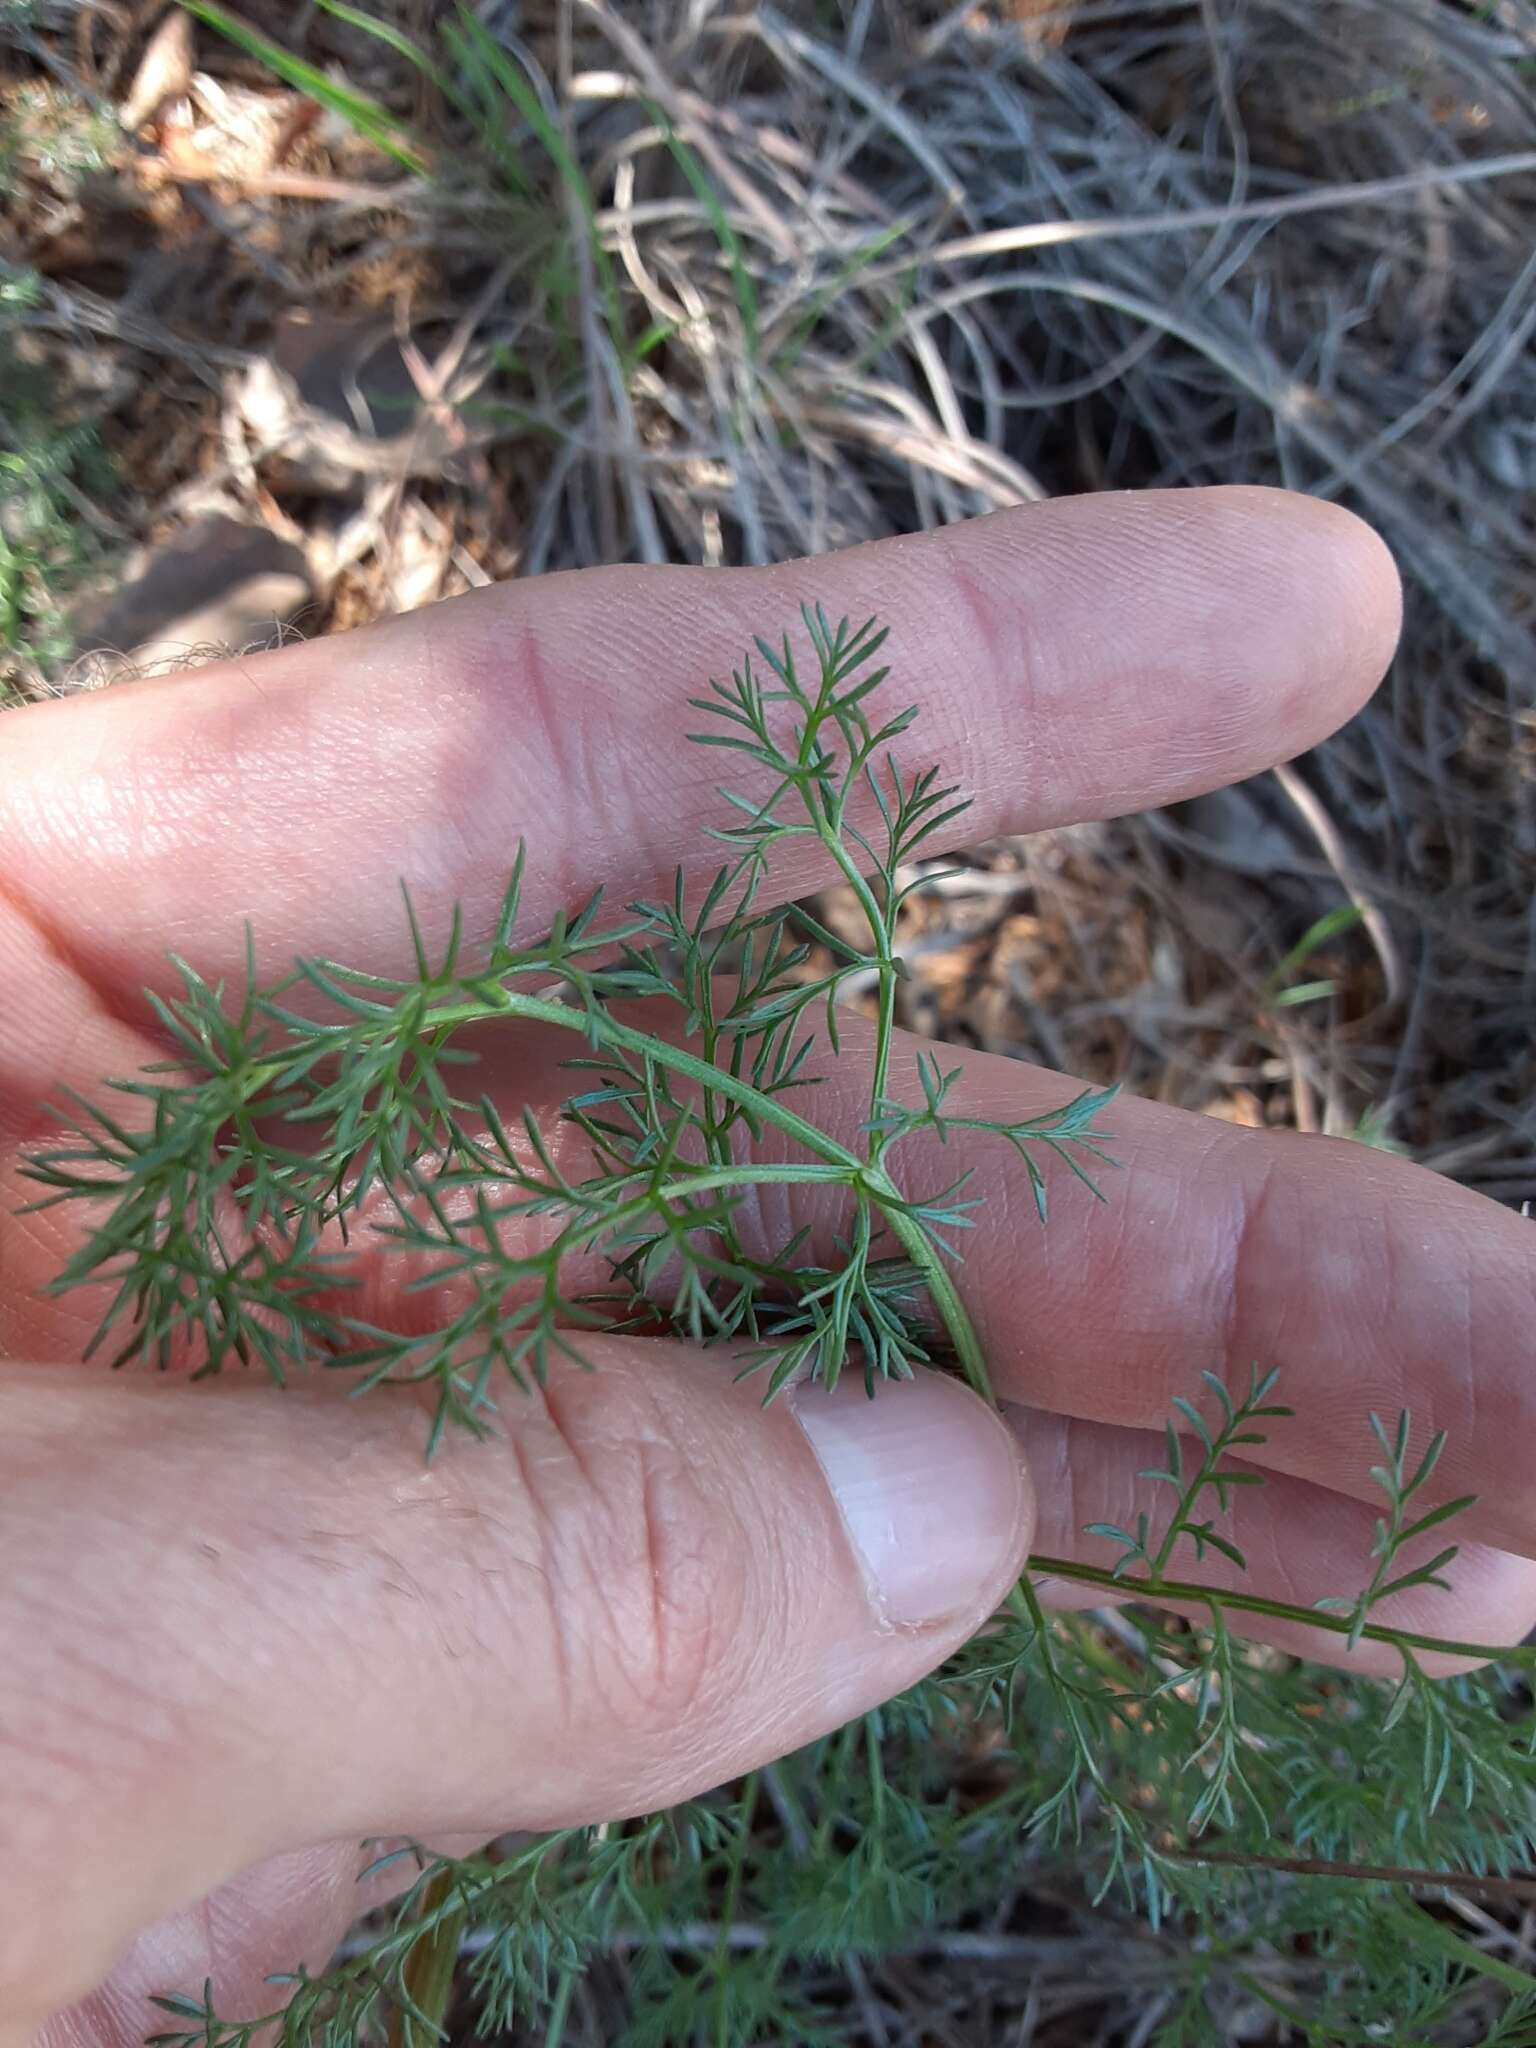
(931, 1490)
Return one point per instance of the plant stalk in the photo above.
(1173, 1592)
(429, 1969)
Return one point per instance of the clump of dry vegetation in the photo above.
(542, 287)
(433, 296)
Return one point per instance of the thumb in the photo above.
(235, 1623)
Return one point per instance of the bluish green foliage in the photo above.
(306, 1098)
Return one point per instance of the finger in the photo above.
(1373, 1286)
(1072, 660)
(288, 1912)
(646, 1586)
(1301, 1543)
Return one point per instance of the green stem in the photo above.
(750, 1177)
(847, 1740)
(1160, 1591)
(1025, 1602)
(622, 1037)
(430, 1967)
(578, 1232)
(728, 1915)
(1209, 1465)
(876, 1763)
(598, 1028)
(717, 1141)
(920, 1249)
(972, 1361)
(879, 925)
(559, 2008)
(1424, 1930)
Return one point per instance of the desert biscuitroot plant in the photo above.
(232, 1188)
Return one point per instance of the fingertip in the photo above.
(1327, 587)
(1132, 648)
(933, 1494)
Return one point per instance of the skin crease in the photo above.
(181, 1627)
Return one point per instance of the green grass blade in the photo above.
(478, 52)
(704, 191)
(392, 38)
(365, 115)
(823, 297)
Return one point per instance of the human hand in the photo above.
(240, 1630)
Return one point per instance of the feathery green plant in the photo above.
(229, 1192)
(360, 1090)
(46, 458)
